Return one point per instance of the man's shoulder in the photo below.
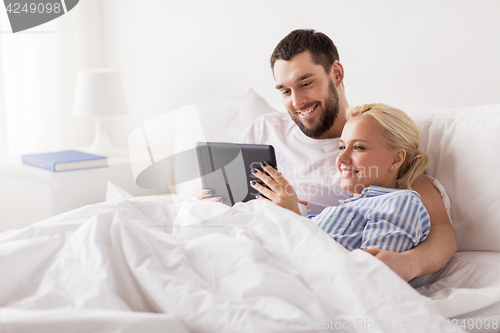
(267, 126)
(275, 118)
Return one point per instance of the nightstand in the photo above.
(29, 194)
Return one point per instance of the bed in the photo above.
(171, 263)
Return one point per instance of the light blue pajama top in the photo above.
(385, 218)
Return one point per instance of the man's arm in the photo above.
(436, 250)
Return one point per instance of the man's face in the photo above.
(309, 94)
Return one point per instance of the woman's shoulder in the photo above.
(407, 193)
(396, 203)
(393, 194)
(404, 197)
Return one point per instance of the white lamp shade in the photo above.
(99, 92)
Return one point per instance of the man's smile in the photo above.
(307, 113)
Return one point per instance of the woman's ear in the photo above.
(337, 73)
(398, 159)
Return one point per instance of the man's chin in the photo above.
(309, 128)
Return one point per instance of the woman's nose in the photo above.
(344, 156)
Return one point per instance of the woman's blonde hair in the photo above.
(398, 131)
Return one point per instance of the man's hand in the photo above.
(280, 191)
(400, 263)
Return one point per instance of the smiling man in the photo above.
(310, 95)
(310, 78)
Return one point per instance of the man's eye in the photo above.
(285, 92)
(306, 84)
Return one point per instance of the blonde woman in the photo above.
(378, 162)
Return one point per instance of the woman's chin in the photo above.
(355, 188)
(346, 186)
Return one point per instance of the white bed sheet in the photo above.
(467, 289)
(129, 266)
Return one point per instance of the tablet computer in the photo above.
(225, 168)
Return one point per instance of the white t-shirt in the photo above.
(308, 164)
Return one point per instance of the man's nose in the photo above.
(299, 100)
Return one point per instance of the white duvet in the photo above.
(140, 265)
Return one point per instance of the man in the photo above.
(310, 77)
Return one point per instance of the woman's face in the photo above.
(364, 158)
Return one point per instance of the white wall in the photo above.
(414, 55)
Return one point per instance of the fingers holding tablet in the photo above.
(206, 195)
(278, 189)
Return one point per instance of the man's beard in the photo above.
(329, 113)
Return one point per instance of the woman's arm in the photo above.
(434, 252)
(397, 224)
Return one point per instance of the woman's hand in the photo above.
(204, 194)
(280, 191)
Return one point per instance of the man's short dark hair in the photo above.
(322, 49)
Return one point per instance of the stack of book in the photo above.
(65, 160)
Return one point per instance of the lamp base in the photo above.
(102, 145)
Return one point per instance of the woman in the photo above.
(378, 162)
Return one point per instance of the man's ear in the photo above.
(337, 73)
(399, 158)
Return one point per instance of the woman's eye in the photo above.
(341, 148)
(359, 147)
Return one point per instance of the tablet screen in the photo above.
(225, 168)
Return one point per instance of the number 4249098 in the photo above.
(473, 324)
(32, 8)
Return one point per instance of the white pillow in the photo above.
(252, 107)
(468, 283)
(215, 117)
(463, 145)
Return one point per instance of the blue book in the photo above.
(65, 160)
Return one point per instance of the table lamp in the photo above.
(99, 94)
